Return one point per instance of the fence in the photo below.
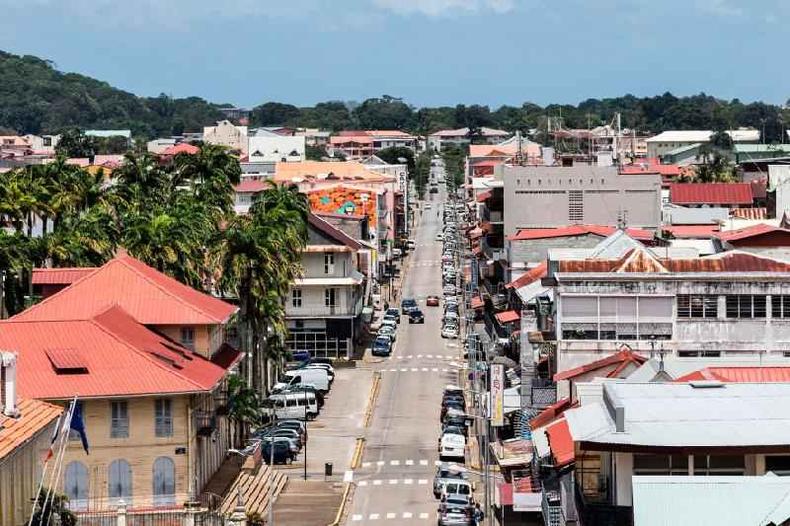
(170, 517)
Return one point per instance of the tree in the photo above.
(74, 143)
(315, 153)
(244, 407)
(398, 155)
(275, 114)
(386, 113)
(52, 511)
(714, 167)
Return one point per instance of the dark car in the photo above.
(408, 305)
(281, 455)
(416, 316)
(392, 313)
(434, 190)
(381, 346)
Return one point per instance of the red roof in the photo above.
(561, 443)
(118, 357)
(528, 277)
(651, 166)
(332, 232)
(740, 375)
(755, 214)
(691, 231)
(711, 193)
(509, 316)
(150, 297)
(551, 413)
(487, 163)
(477, 302)
(750, 232)
(60, 276)
(34, 417)
(523, 485)
(251, 186)
(622, 357)
(641, 261)
(483, 196)
(526, 234)
(181, 148)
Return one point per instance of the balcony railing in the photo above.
(318, 312)
(205, 422)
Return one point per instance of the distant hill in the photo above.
(37, 98)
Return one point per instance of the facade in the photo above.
(726, 305)
(668, 141)
(43, 144)
(273, 149)
(361, 144)
(323, 307)
(244, 193)
(225, 133)
(541, 196)
(26, 428)
(460, 137)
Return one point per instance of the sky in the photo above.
(430, 52)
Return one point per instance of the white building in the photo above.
(667, 141)
(225, 133)
(43, 143)
(461, 137)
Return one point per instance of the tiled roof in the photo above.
(561, 443)
(149, 296)
(739, 374)
(526, 234)
(757, 213)
(251, 186)
(34, 416)
(651, 166)
(528, 277)
(641, 261)
(624, 356)
(60, 276)
(711, 193)
(120, 358)
(181, 148)
(751, 231)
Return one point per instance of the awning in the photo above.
(484, 196)
(561, 443)
(509, 316)
(513, 453)
(526, 498)
(477, 302)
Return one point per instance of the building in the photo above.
(668, 141)
(763, 239)
(109, 134)
(711, 195)
(324, 305)
(725, 305)
(401, 174)
(268, 149)
(244, 193)
(461, 137)
(542, 196)
(158, 146)
(26, 428)
(361, 144)
(43, 144)
(225, 133)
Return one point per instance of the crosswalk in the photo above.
(418, 370)
(390, 516)
(427, 356)
(408, 462)
(392, 482)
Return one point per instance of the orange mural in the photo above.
(343, 200)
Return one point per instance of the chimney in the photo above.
(615, 408)
(8, 383)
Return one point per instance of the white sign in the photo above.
(497, 394)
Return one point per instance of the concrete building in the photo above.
(668, 141)
(323, 307)
(266, 149)
(361, 144)
(461, 137)
(542, 196)
(225, 133)
(43, 144)
(158, 146)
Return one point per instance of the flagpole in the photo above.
(59, 459)
(44, 471)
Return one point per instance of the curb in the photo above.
(358, 449)
(342, 509)
(374, 391)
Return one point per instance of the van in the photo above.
(317, 377)
(295, 406)
(452, 446)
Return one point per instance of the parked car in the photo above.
(381, 346)
(411, 244)
(439, 237)
(452, 446)
(281, 453)
(450, 331)
(458, 488)
(452, 515)
(445, 473)
(388, 330)
(407, 305)
(392, 314)
(416, 316)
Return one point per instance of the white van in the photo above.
(318, 377)
(295, 405)
(452, 446)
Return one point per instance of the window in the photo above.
(661, 465)
(75, 485)
(780, 306)
(697, 306)
(745, 306)
(719, 465)
(188, 337)
(699, 354)
(164, 481)
(119, 419)
(163, 417)
(330, 297)
(575, 206)
(616, 317)
(329, 263)
(778, 464)
(119, 480)
(296, 298)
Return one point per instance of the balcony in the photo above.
(205, 423)
(336, 311)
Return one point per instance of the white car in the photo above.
(452, 446)
(450, 331)
(439, 237)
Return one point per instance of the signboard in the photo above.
(525, 497)
(497, 394)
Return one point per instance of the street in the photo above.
(394, 479)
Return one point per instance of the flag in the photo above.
(78, 425)
(55, 434)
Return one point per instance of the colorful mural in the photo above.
(344, 200)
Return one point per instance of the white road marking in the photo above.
(445, 370)
(377, 483)
(381, 462)
(409, 462)
(422, 482)
(414, 369)
(410, 356)
(423, 462)
(407, 515)
(392, 370)
(393, 482)
(391, 515)
(425, 369)
(419, 356)
(394, 462)
(348, 476)
(356, 517)
(362, 483)
(423, 515)
(435, 369)
(403, 370)
(408, 481)
(373, 517)
(429, 356)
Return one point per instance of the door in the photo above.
(119, 481)
(75, 485)
(164, 482)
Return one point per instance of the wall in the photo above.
(20, 472)
(276, 149)
(538, 196)
(202, 337)
(226, 134)
(535, 251)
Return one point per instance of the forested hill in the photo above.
(36, 98)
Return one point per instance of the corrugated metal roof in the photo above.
(121, 357)
(623, 356)
(508, 316)
(526, 234)
(675, 415)
(530, 276)
(34, 417)
(561, 443)
(60, 276)
(751, 231)
(149, 296)
(713, 500)
(691, 231)
(711, 193)
(759, 374)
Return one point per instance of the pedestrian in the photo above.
(478, 514)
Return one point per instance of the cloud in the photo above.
(445, 7)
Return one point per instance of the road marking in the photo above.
(435, 369)
(403, 370)
(393, 482)
(429, 356)
(425, 369)
(410, 356)
(373, 517)
(445, 370)
(377, 483)
(407, 515)
(422, 482)
(356, 517)
(414, 369)
(362, 483)
(394, 462)
(348, 476)
(419, 356)
(437, 462)
(408, 481)
(391, 515)
(423, 462)
(423, 515)
(409, 462)
(381, 462)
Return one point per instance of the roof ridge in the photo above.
(32, 308)
(143, 353)
(127, 258)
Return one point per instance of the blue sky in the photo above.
(431, 52)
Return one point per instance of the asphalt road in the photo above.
(394, 481)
